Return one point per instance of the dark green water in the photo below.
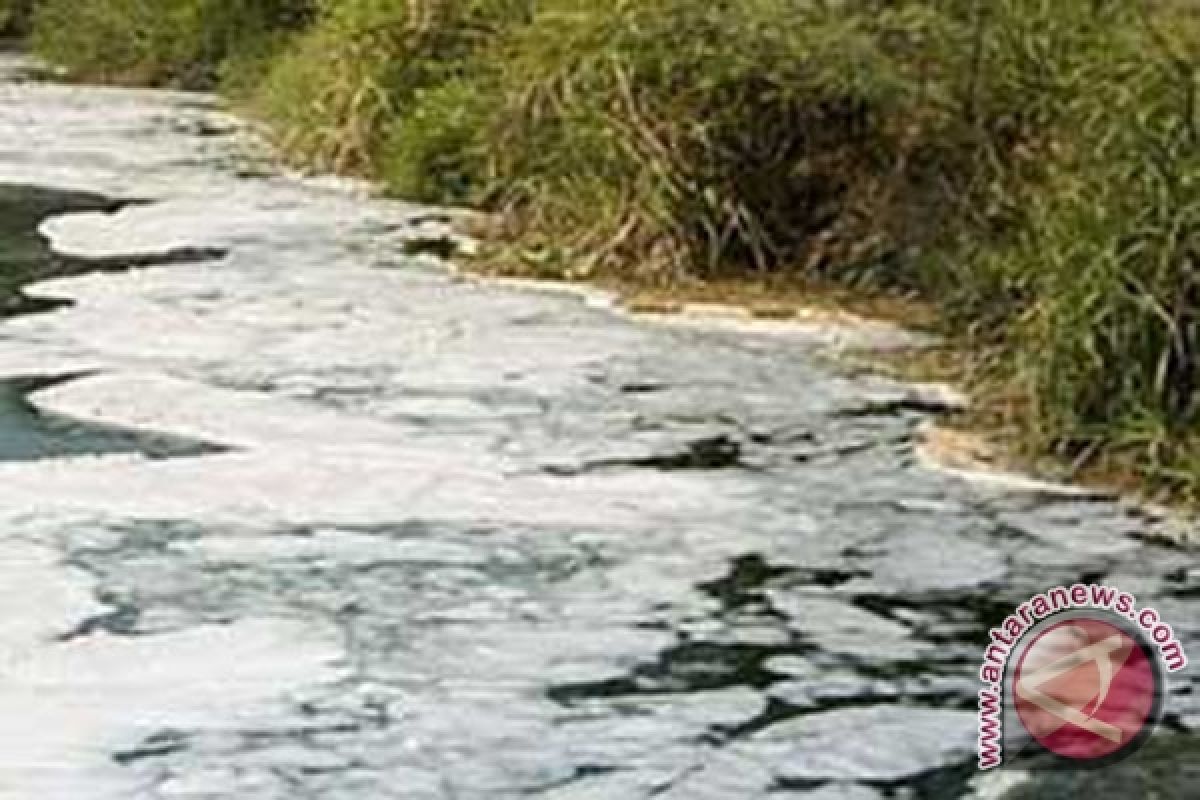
(24, 255)
(27, 434)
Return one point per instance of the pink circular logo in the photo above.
(1085, 689)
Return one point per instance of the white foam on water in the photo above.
(344, 547)
(40, 598)
(293, 462)
(882, 744)
(69, 707)
(69, 704)
(247, 420)
(183, 350)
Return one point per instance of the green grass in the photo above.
(1102, 319)
(171, 42)
(14, 17)
(343, 85)
(1030, 167)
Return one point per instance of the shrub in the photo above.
(691, 138)
(178, 42)
(434, 152)
(14, 17)
(1107, 342)
(334, 96)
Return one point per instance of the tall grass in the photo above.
(365, 64)
(14, 17)
(1106, 341)
(1029, 166)
(691, 138)
(175, 42)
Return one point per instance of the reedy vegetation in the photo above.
(14, 17)
(1031, 167)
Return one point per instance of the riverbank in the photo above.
(976, 437)
(1026, 171)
